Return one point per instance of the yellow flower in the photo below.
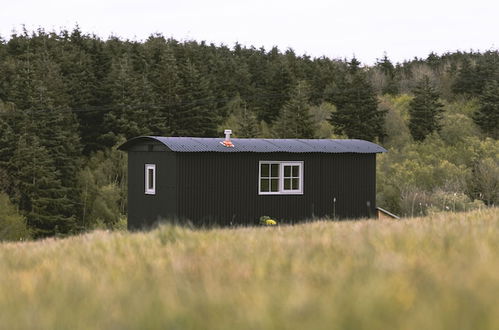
(270, 222)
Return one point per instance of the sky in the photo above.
(336, 29)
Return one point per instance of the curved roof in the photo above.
(192, 144)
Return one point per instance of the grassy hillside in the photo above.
(440, 272)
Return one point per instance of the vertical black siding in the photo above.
(144, 210)
(222, 188)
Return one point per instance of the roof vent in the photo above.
(227, 142)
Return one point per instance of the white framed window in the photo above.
(280, 178)
(150, 179)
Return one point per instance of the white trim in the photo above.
(148, 190)
(300, 178)
(281, 177)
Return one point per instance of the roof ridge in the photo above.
(200, 144)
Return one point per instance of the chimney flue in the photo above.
(227, 132)
(227, 142)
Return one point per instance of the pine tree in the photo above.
(164, 80)
(487, 115)
(84, 84)
(7, 147)
(466, 81)
(131, 97)
(195, 115)
(386, 66)
(57, 130)
(294, 120)
(248, 125)
(241, 119)
(46, 158)
(38, 192)
(471, 79)
(357, 115)
(425, 111)
(278, 89)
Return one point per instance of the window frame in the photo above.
(147, 190)
(280, 185)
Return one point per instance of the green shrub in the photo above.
(12, 224)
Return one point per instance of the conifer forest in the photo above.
(68, 99)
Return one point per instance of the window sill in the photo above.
(281, 193)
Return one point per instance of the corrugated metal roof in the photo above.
(191, 144)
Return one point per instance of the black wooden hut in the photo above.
(216, 181)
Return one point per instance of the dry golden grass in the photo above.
(440, 272)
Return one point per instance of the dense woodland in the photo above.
(67, 99)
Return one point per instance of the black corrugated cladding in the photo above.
(222, 188)
(145, 210)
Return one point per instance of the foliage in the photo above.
(195, 115)
(487, 116)
(422, 169)
(357, 114)
(294, 120)
(320, 116)
(475, 74)
(267, 221)
(241, 119)
(38, 191)
(67, 98)
(424, 273)
(13, 225)
(387, 70)
(456, 122)
(484, 182)
(395, 126)
(102, 183)
(425, 110)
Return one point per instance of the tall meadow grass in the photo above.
(439, 272)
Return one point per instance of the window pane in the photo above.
(150, 178)
(296, 171)
(274, 185)
(287, 171)
(296, 184)
(287, 184)
(265, 170)
(275, 170)
(264, 185)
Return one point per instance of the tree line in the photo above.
(67, 99)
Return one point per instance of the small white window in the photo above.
(280, 178)
(150, 179)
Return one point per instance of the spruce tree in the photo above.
(294, 120)
(248, 124)
(425, 111)
(472, 78)
(241, 120)
(466, 80)
(7, 147)
(195, 114)
(46, 134)
(131, 101)
(386, 66)
(57, 130)
(487, 115)
(357, 114)
(38, 192)
(164, 80)
(278, 89)
(84, 84)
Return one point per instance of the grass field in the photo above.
(440, 272)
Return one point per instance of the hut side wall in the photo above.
(222, 188)
(144, 210)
